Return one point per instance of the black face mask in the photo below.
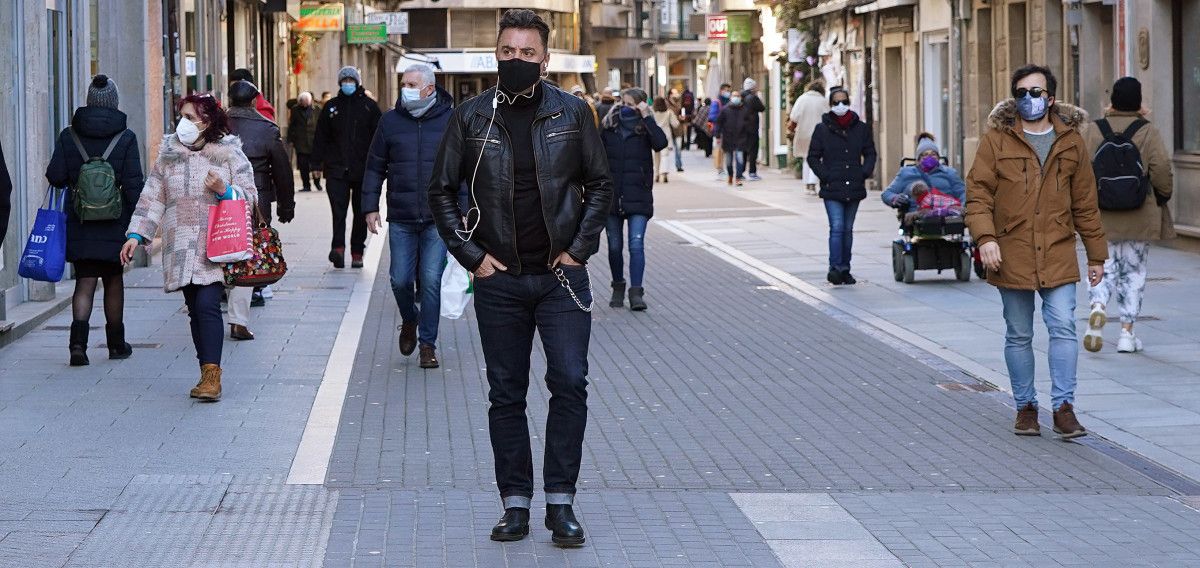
(517, 75)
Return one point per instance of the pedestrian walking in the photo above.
(687, 115)
(732, 133)
(842, 155)
(98, 136)
(930, 172)
(1029, 191)
(607, 101)
(1138, 178)
(714, 111)
(754, 107)
(703, 128)
(260, 102)
(262, 145)
(668, 122)
(402, 154)
(302, 127)
(578, 91)
(806, 114)
(677, 128)
(344, 133)
(198, 165)
(541, 194)
(633, 141)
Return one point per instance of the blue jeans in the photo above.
(1058, 310)
(841, 231)
(637, 248)
(204, 315)
(418, 251)
(678, 154)
(737, 156)
(509, 309)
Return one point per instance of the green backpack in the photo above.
(95, 193)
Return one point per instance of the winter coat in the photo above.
(176, 202)
(1151, 221)
(5, 197)
(843, 159)
(1033, 210)
(668, 121)
(302, 127)
(754, 104)
(733, 128)
(263, 147)
(96, 127)
(402, 154)
(943, 178)
(344, 132)
(714, 110)
(631, 163)
(806, 115)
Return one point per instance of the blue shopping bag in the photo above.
(45, 256)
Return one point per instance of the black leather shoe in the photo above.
(834, 277)
(847, 278)
(513, 526)
(564, 529)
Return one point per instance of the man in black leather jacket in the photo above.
(541, 193)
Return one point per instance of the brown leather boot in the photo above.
(428, 357)
(408, 338)
(209, 389)
(1027, 422)
(240, 332)
(1065, 423)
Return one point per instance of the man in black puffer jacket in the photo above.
(264, 148)
(402, 154)
(542, 194)
(344, 132)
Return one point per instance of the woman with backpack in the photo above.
(100, 203)
(631, 138)
(198, 165)
(1130, 226)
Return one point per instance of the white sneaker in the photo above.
(1129, 343)
(267, 293)
(1093, 340)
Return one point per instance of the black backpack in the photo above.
(1121, 180)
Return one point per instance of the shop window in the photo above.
(473, 28)
(563, 31)
(1187, 73)
(936, 90)
(426, 29)
(1018, 54)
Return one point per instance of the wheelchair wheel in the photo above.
(909, 269)
(965, 265)
(898, 261)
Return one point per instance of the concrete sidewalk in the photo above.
(1148, 402)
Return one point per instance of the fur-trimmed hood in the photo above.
(1005, 115)
(173, 150)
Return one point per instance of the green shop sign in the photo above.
(739, 28)
(366, 33)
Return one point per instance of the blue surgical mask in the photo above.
(1031, 108)
(410, 95)
(929, 163)
(629, 112)
(349, 88)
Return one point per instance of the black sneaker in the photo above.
(834, 277)
(847, 278)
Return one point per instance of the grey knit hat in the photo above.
(102, 92)
(926, 144)
(349, 72)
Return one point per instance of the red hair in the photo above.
(209, 110)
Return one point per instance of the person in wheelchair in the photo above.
(930, 172)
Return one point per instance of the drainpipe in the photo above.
(956, 95)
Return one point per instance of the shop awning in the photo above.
(485, 62)
(830, 7)
(685, 46)
(883, 5)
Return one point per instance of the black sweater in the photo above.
(533, 238)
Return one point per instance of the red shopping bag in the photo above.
(229, 234)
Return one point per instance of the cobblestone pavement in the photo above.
(730, 425)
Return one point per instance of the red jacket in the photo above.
(264, 108)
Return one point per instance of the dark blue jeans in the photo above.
(841, 231)
(418, 252)
(637, 248)
(204, 314)
(509, 309)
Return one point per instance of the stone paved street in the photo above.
(751, 417)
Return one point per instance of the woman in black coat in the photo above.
(842, 155)
(95, 246)
(631, 137)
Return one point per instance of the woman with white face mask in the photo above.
(199, 165)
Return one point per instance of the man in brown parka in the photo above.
(1129, 232)
(1030, 190)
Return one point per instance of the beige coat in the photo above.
(1150, 222)
(806, 115)
(175, 204)
(1032, 210)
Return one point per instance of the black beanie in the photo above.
(242, 93)
(1127, 95)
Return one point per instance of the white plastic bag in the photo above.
(456, 289)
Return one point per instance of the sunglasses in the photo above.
(1036, 92)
